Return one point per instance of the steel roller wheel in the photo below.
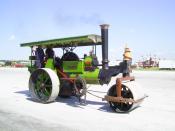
(125, 93)
(44, 85)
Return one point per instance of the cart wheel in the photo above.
(125, 93)
(44, 85)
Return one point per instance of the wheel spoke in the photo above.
(47, 93)
(37, 86)
(48, 86)
(40, 78)
(46, 80)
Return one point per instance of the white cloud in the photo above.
(12, 37)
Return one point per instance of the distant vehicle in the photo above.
(67, 76)
(167, 64)
(18, 65)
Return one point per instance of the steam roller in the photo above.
(68, 75)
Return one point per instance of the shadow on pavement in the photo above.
(25, 92)
(74, 102)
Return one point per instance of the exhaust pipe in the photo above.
(104, 35)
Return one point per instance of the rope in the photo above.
(87, 91)
(97, 91)
(95, 95)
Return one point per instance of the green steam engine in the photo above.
(52, 76)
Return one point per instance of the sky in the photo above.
(146, 26)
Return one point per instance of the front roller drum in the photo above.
(44, 85)
(131, 97)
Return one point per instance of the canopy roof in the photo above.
(86, 40)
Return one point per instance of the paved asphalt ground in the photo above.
(19, 113)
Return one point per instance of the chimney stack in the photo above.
(104, 36)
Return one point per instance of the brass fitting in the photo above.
(127, 54)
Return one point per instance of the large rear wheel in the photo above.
(44, 85)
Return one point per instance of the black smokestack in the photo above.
(104, 36)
